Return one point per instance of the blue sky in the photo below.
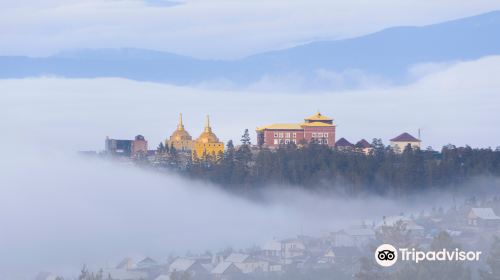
(208, 28)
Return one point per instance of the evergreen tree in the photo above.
(245, 138)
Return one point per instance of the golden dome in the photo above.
(207, 136)
(180, 134)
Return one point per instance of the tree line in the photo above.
(316, 167)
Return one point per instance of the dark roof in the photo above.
(405, 137)
(342, 142)
(363, 144)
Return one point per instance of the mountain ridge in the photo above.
(388, 53)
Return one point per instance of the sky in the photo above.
(208, 28)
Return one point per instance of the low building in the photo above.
(118, 147)
(364, 147)
(188, 266)
(226, 271)
(483, 217)
(316, 128)
(343, 145)
(247, 263)
(400, 142)
(127, 148)
(284, 250)
(139, 147)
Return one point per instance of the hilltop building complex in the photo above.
(317, 129)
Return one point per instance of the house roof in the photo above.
(484, 213)
(237, 258)
(342, 142)
(181, 264)
(363, 144)
(319, 117)
(222, 267)
(405, 137)
(284, 126)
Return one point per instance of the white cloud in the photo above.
(217, 28)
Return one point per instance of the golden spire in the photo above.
(180, 126)
(207, 124)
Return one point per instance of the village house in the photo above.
(364, 146)
(483, 217)
(192, 267)
(247, 263)
(226, 271)
(343, 145)
(408, 224)
(400, 142)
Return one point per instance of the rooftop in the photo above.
(342, 142)
(484, 213)
(287, 126)
(318, 117)
(237, 258)
(363, 144)
(405, 137)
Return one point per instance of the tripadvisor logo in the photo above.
(387, 255)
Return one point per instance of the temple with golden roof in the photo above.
(207, 145)
(180, 138)
(316, 128)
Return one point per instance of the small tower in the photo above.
(207, 144)
(180, 138)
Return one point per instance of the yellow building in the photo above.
(207, 144)
(180, 139)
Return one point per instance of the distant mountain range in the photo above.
(387, 54)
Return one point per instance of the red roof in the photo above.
(405, 137)
(363, 144)
(342, 142)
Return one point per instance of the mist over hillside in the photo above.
(383, 58)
